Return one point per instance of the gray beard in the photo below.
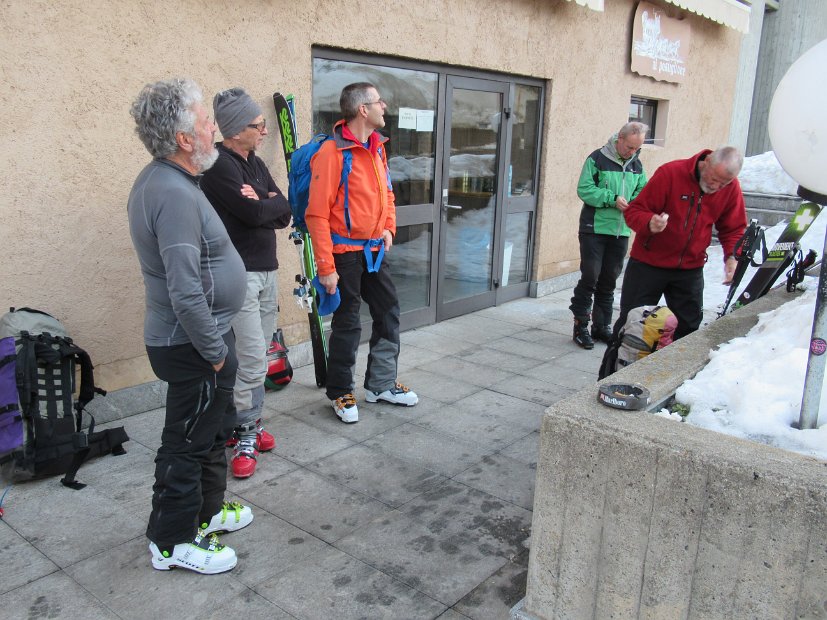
(204, 160)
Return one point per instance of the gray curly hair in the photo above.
(163, 109)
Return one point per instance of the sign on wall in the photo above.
(660, 44)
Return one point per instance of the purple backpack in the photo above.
(11, 421)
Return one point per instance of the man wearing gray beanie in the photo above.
(246, 198)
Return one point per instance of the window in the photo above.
(645, 110)
(409, 119)
(524, 137)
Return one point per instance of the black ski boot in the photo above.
(602, 333)
(581, 336)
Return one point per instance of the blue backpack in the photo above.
(298, 193)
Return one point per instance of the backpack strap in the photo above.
(373, 259)
(347, 167)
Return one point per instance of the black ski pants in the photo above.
(378, 291)
(601, 261)
(191, 464)
(643, 285)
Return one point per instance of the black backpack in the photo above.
(41, 430)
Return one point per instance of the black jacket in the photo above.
(250, 223)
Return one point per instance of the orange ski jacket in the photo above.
(371, 201)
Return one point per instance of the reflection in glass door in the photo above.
(470, 194)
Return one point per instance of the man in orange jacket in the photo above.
(352, 226)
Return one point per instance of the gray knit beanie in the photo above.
(234, 110)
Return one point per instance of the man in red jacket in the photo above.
(673, 217)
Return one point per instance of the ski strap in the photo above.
(744, 252)
(795, 275)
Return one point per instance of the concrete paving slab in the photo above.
(502, 477)
(499, 526)
(456, 368)
(452, 614)
(528, 388)
(495, 596)
(438, 386)
(542, 347)
(444, 561)
(473, 328)
(250, 605)
(269, 545)
(331, 584)
(526, 312)
(439, 343)
(525, 449)
(293, 396)
(427, 449)
(318, 506)
(55, 596)
(486, 418)
(22, 562)
(373, 419)
(411, 356)
(303, 443)
(123, 580)
(144, 428)
(62, 526)
(504, 360)
(561, 373)
(377, 475)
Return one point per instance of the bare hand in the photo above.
(217, 367)
(658, 223)
(330, 282)
(621, 203)
(729, 269)
(248, 192)
(272, 194)
(388, 238)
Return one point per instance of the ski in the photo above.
(780, 256)
(304, 292)
(750, 242)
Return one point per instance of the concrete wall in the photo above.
(71, 69)
(787, 33)
(636, 516)
(745, 83)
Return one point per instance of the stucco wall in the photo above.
(71, 69)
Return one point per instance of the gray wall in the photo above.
(787, 33)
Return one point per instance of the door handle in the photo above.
(445, 204)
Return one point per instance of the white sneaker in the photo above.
(345, 408)
(203, 555)
(231, 518)
(398, 395)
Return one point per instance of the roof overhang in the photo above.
(594, 5)
(730, 13)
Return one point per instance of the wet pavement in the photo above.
(421, 512)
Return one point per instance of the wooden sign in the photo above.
(660, 44)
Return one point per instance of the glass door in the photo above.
(470, 256)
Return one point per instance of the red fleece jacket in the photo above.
(674, 189)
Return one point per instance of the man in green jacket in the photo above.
(611, 178)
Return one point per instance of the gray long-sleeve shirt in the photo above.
(194, 279)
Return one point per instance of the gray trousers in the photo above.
(253, 327)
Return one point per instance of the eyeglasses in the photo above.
(259, 126)
(380, 101)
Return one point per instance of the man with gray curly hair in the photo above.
(194, 283)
